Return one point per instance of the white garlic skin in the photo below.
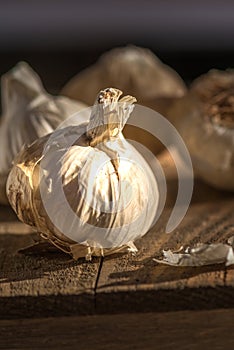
(89, 193)
(29, 112)
(132, 69)
(211, 147)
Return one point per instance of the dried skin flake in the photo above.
(200, 255)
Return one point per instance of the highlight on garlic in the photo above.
(85, 188)
(205, 120)
(138, 72)
(28, 112)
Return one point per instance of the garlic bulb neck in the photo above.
(19, 87)
(108, 117)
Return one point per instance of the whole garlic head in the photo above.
(205, 120)
(138, 72)
(85, 188)
(28, 112)
(131, 68)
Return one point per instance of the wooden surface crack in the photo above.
(97, 280)
(225, 272)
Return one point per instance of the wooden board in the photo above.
(48, 283)
(137, 283)
(181, 330)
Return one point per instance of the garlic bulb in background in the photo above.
(205, 120)
(85, 188)
(136, 71)
(28, 112)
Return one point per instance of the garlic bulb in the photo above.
(138, 72)
(206, 123)
(28, 113)
(85, 188)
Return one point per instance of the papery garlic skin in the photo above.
(105, 196)
(29, 112)
(133, 69)
(205, 120)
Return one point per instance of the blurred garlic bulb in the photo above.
(138, 72)
(85, 188)
(28, 112)
(205, 120)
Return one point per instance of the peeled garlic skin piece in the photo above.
(129, 185)
(29, 112)
(211, 146)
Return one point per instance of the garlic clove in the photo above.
(205, 120)
(95, 194)
(138, 72)
(28, 112)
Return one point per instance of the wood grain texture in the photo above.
(182, 330)
(41, 282)
(138, 283)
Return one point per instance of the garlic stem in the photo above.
(108, 117)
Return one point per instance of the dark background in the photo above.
(59, 38)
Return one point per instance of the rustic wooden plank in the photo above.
(138, 283)
(42, 283)
(175, 330)
(14, 228)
